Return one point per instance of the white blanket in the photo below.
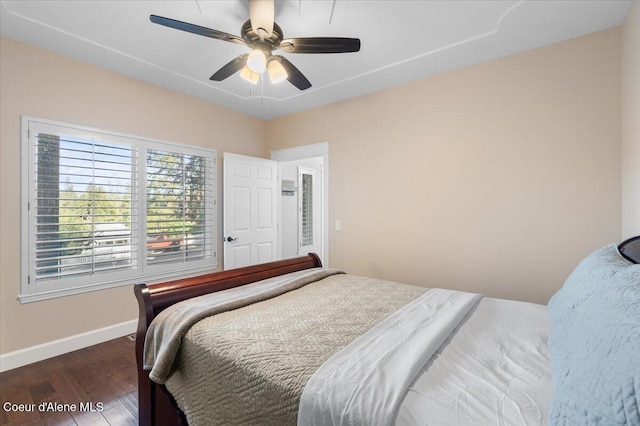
(494, 370)
(364, 383)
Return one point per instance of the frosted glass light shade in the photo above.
(277, 73)
(257, 61)
(250, 76)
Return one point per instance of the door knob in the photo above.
(229, 239)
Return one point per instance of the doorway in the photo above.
(303, 208)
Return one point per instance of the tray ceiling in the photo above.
(402, 41)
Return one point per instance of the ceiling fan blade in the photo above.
(294, 75)
(196, 29)
(261, 15)
(230, 68)
(320, 45)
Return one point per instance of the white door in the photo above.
(249, 210)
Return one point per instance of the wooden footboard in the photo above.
(155, 405)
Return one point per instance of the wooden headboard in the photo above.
(155, 405)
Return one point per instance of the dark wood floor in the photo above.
(103, 375)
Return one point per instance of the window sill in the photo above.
(46, 295)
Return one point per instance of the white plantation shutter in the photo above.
(83, 207)
(305, 200)
(179, 207)
(306, 234)
(88, 223)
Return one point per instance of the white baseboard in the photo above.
(47, 350)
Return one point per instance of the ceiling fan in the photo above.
(262, 35)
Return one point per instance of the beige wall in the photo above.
(631, 123)
(46, 85)
(497, 178)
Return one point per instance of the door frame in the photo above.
(320, 149)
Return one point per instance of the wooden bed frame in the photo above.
(155, 404)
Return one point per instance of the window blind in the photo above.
(83, 207)
(179, 195)
(105, 209)
(306, 210)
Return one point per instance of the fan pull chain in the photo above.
(199, 8)
(333, 6)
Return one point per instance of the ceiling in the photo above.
(402, 41)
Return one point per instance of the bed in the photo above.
(290, 342)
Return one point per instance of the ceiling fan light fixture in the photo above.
(250, 76)
(257, 61)
(263, 36)
(277, 73)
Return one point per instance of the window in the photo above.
(305, 207)
(105, 209)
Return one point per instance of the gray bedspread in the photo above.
(250, 365)
(165, 332)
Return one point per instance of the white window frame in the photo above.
(32, 291)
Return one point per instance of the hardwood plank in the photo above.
(90, 418)
(130, 401)
(119, 415)
(62, 418)
(21, 416)
(104, 373)
(4, 417)
(72, 393)
(42, 392)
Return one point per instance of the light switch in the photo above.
(338, 225)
